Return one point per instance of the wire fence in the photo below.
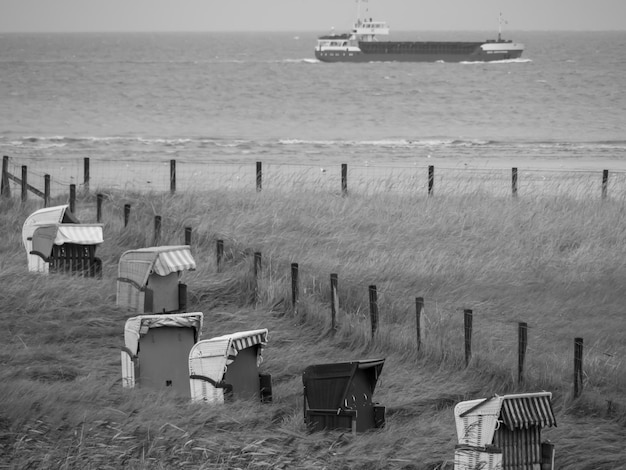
(185, 176)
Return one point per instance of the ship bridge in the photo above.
(366, 30)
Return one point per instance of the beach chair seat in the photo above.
(472, 457)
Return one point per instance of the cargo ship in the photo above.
(361, 44)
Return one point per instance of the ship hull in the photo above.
(422, 52)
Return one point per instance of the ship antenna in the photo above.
(500, 21)
(358, 8)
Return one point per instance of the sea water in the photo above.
(246, 97)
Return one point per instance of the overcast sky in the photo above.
(306, 15)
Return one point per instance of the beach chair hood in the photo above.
(135, 266)
(328, 385)
(47, 216)
(477, 420)
(139, 326)
(45, 236)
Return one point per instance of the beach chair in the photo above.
(504, 433)
(156, 351)
(227, 367)
(56, 242)
(339, 396)
(150, 279)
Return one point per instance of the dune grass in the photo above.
(556, 263)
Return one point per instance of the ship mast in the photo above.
(358, 8)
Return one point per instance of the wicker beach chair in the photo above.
(340, 396)
(56, 242)
(504, 433)
(150, 279)
(226, 367)
(156, 351)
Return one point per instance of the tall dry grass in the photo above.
(553, 262)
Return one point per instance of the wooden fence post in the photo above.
(157, 230)
(373, 309)
(46, 190)
(188, 235)
(182, 297)
(86, 174)
(578, 367)
(24, 183)
(431, 179)
(514, 181)
(73, 198)
(172, 176)
(257, 274)
(419, 308)
(126, 214)
(5, 188)
(219, 254)
(522, 335)
(99, 199)
(605, 183)
(467, 320)
(344, 179)
(334, 301)
(259, 176)
(295, 291)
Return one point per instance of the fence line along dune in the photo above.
(199, 176)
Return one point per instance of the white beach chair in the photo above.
(55, 241)
(150, 279)
(227, 366)
(504, 432)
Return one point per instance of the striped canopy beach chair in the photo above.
(504, 432)
(56, 242)
(150, 279)
(156, 351)
(227, 367)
